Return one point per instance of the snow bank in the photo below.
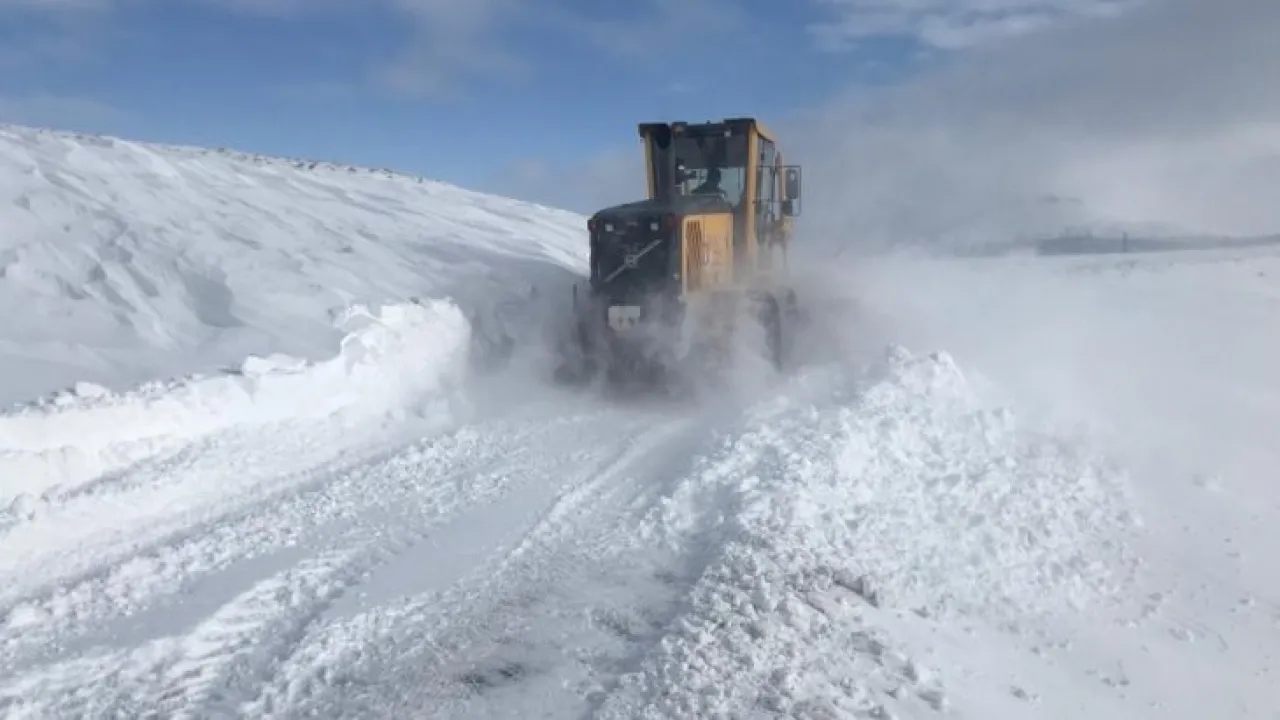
(390, 360)
(131, 261)
(1166, 361)
(908, 497)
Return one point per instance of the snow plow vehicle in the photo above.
(676, 278)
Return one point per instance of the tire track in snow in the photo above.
(163, 501)
(425, 644)
(611, 592)
(225, 656)
(164, 675)
(117, 579)
(194, 659)
(130, 576)
(247, 638)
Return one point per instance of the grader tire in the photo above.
(769, 315)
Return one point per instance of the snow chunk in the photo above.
(390, 360)
(255, 367)
(90, 390)
(25, 507)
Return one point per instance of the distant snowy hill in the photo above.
(975, 226)
(124, 261)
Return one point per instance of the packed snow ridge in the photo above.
(387, 363)
(904, 494)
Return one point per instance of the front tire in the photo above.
(769, 315)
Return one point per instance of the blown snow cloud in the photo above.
(951, 24)
(1160, 115)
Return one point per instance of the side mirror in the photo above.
(791, 183)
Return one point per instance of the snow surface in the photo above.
(285, 479)
(124, 262)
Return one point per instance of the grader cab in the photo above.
(674, 275)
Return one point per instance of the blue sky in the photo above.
(491, 94)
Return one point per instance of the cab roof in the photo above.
(714, 127)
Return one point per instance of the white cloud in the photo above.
(255, 7)
(1165, 114)
(950, 24)
(445, 42)
(444, 39)
(450, 38)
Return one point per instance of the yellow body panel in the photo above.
(764, 243)
(707, 261)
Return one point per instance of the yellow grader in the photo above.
(676, 277)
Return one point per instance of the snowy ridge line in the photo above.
(388, 361)
(160, 153)
(907, 499)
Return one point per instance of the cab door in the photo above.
(765, 203)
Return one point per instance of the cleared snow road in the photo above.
(412, 550)
(570, 556)
(199, 612)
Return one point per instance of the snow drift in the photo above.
(122, 262)
(911, 497)
(127, 262)
(398, 359)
